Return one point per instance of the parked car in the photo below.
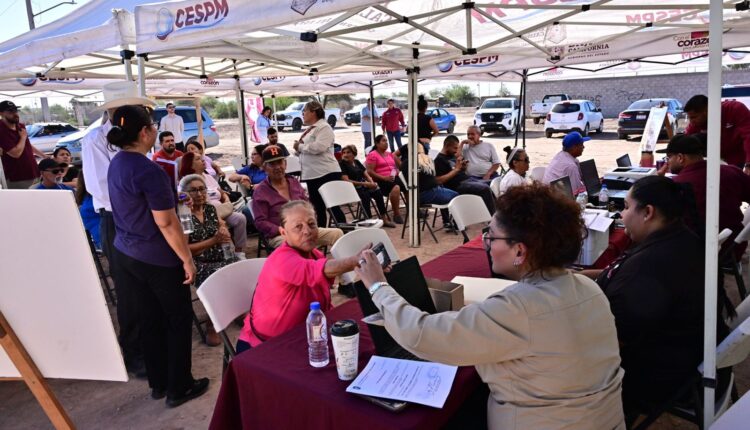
(633, 119)
(574, 115)
(444, 120)
(498, 114)
(292, 116)
(352, 116)
(210, 137)
(539, 110)
(44, 135)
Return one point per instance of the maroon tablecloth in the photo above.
(274, 387)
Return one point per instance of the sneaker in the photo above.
(240, 255)
(197, 389)
(397, 219)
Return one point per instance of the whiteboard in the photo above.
(50, 291)
(653, 128)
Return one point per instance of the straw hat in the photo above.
(123, 93)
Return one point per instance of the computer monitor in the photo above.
(563, 185)
(624, 161)
(590, 177)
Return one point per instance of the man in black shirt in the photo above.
(451, 173)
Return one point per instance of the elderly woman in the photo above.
(152, 257)
(547, 345)
(319, 165)
(518, 165)
(253, 173)
(192, 163)
(212, 168)
(381, 166)
(353, 171)
(205, 242)
(294, 275)
(62, 156)
(658, 312)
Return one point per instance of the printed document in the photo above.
(407, 380)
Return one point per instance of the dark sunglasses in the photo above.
(55, 171)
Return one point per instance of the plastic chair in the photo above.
(495, 186)
(743, 313)
(227, 294)
(293, 165)
(731, 265)
(433, 153)
(263, 244)
(422, 212)
(339, 193)
(467, 210)
(353, 242)
(537, 173)
(238, 163)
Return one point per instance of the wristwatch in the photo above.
(376, 286)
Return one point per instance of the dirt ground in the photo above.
(115, 405)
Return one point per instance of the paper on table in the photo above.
(597, 220)
(478, 289)
(407, 380)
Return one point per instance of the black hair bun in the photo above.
(508, 150)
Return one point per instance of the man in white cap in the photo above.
(96, 154)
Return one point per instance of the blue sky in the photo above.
(13, 18)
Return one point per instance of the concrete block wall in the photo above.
(614, 95)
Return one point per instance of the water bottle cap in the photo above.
(604, 186)
(315, 306)
(182, 196)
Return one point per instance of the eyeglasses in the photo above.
(198, 190)
(487, 240)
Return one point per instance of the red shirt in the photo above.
(168, 163)
(392, 118)
(22, 168)
(287, 284)
(735, 189)
(735, 132)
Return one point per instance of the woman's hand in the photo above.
(222, 235)
(369, 269)
(296, 145)
(190, 271)
(371, 185)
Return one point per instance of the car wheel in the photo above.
(451, 127)
(548, 133)
(585, 131)
(600, 129)
(280, 128)
(512, 130)
(297, 124)
(537, 120)
(332, 121)
(622, 136)
(348, 123)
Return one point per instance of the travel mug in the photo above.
(345, 338)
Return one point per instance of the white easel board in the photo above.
(50, 291)
(651, 132)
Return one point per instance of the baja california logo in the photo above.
(695, 40)
(302, 6)
(200, 15)
(469, 62)
(30, 82)
(260, 80)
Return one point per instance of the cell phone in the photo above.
(383, 258)
(391, 405)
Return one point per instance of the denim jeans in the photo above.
(439, 196)
(394, 135)
(368, 139)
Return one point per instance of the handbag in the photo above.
(233, 195)
(223, 210)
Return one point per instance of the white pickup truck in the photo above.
(539, 110)
(292, 116)
(498, 114)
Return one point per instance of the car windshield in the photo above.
(552, 99)
(566, 108)
(497, 104)
(33, 129)
(296, 106)
(647, 104)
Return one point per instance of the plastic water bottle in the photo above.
(317, 336)
(603, 196)
(186, 217)
(228, 250)
(582, 199)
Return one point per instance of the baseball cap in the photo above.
(8, 105)
(273, 153)
(684, 144)
(573, 138)
(49, 163)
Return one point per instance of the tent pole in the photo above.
(413, 186)
(126, 56)
(240, 97)
(373, 116)
(518, 124)
(142, 75)
(712, 209)
(275, 120)
(523, 106)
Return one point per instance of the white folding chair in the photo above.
(743, 313)
(340, 193)
(238, 163)
(353, 242)
(495, 186)
(293, 165)
(425, 207)
(732, 266)
(467, 210)
(537, 173)
(433, 153)
(227, 294)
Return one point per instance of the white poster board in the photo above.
(51, 294)
(653, 127)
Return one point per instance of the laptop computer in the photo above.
(590, 178)
(563, 185)
(407, 279)
(624, 161)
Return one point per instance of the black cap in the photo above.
(49, 163)
(273, 153)
(7, 105)
(684, 144)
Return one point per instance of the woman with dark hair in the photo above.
(353, 171)
(90, 217)
(70, 175)
(547, 345)
(382, 167)
(319, 165)
(152, 256)
(518, 165)
(658, 306)
(426, 127)
(193, 164)
(253, 173)
(264, 123)
(212, 168)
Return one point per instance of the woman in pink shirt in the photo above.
(294, 275)
(381, 166)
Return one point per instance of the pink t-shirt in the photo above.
(287, 284)
(384, 164)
